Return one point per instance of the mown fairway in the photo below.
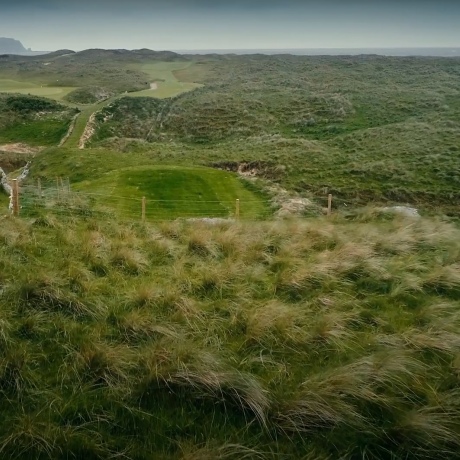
(23, 87)
(164, 77)
(173, 191)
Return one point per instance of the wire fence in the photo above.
(61, 199)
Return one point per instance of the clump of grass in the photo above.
(445, 280)
(227, 451)
(201, 245)
(32, 325)
(141, 325)
(206, 376)
(431, 429)
(44, 293)
(336, 398)
(100, 364)
(129, 260)
(15, 371)
(5, 328)
(277, 321)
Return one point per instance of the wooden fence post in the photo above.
(329, 205)
(143, 208)
(15, 190)
(39, 186)
(237, 209)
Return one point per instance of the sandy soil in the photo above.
(19, 148)
(153, 86)
(90, 129)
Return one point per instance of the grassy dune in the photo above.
(368, 129)
(299, 339)
(33, 120)
(112, 72)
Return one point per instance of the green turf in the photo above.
(23, 87)
(173, 191)
(162, 73)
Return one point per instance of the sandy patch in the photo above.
(19, 148)
(153, 86)
(89, 131)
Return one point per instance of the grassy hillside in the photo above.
(82, 77)
(312, 97)
(367, 128)
(303, 339)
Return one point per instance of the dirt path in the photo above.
(74, 139)
(88, 132)
(20, 148)
(70, 130)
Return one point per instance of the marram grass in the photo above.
(297, 339)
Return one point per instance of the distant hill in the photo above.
(438, 52)
(10, 45)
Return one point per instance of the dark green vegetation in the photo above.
(315, 339)
(88, 95)
(33, 120)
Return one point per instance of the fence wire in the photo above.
(61, 200)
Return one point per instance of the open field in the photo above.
(368, 129)
(168, 85)
(21, 87)
(173, 192)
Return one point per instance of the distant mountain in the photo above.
(11, 46)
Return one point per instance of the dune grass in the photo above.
(317, 339)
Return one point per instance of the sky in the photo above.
(48, 25)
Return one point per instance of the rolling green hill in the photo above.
(71, 76)
(367, 128)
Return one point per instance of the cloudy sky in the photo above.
(237, 24)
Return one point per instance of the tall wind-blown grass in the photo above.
(299, 339)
